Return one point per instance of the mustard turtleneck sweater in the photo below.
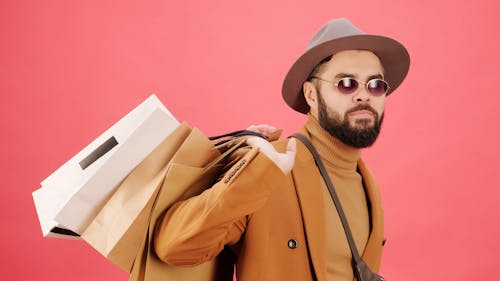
(340, 161)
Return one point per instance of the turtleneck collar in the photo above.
(332, 150)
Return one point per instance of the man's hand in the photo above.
(285, 160)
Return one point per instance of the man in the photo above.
(272, 207)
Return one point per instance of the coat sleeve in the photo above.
(195, 230)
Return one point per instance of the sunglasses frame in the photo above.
(357, 87)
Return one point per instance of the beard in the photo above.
(361, 136)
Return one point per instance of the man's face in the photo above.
(353, 118)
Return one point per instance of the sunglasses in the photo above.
(347, 85)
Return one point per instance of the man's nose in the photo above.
(361, 94)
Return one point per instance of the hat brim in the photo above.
(392, 54)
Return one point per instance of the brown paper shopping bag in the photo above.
(191, 170)
(120, 227)
(189, 174)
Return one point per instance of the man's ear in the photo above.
(311, 96)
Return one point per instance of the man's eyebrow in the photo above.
(376, 76)
(343, 75)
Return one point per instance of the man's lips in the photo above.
(362, 113)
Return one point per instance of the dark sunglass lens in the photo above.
(347, 85)
(377, 86)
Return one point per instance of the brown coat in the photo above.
(260, 212)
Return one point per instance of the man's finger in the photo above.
(291, 146)
(263, 129)
(288, 159)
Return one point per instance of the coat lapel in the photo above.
(373, 250)
(307, 184)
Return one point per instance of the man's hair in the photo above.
(316, 69)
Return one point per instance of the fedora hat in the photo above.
(339, 35)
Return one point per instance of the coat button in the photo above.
(292, 244)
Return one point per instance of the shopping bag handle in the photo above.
(239, 133)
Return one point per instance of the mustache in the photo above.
(362, 107)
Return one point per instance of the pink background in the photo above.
(70, 69)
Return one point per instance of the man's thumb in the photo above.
(291, 146)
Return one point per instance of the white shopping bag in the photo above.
(71, 197)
